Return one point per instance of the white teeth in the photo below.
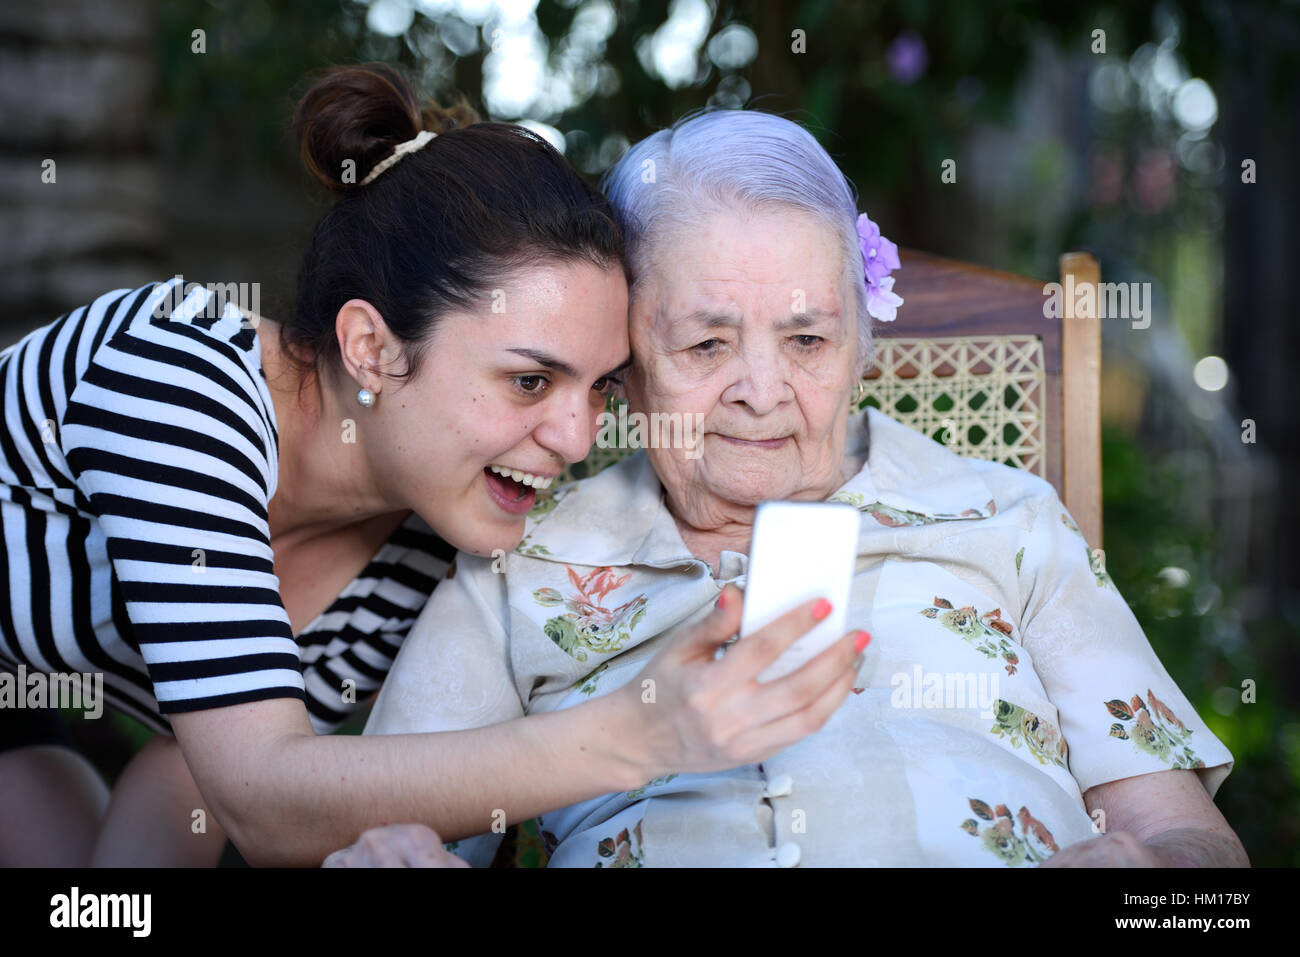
(522, 477)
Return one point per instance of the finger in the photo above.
(807, 683)
(703, 638)
(338, 858)
(354, 855)
(427, 848)
(1062, 858)
(747, 658)
(412, 844)
(762, 742)
(435, 857)
(420, 834)
(376, 850)
(419, 845)
(1077, 859)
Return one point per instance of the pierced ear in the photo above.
(359, 325)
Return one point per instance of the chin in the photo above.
(487, 538)
(751, 487)
(751, 493)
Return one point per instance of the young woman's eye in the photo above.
(608, 385)
(530, 384)
(808, 342)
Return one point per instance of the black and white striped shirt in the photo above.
(137, 462)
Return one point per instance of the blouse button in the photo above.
(779, 786)
(789, 854)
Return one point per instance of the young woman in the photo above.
(235, 520)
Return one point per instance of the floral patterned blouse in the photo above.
(1006, 675)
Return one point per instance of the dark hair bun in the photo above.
(441, 230)
(360, 113)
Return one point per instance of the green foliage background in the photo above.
(239, 95)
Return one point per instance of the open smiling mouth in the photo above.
(514, 490)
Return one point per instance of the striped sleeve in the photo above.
(168, 439)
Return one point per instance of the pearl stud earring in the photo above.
(365, 396)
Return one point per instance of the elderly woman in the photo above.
(1009, 709)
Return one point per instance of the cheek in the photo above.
(687, 384)
(822, 406)
(826, 381)
(828, 368)
(689, 399)
(824, 414)
(655, 383)
(672, 466)
(469, 423)
(477, 429)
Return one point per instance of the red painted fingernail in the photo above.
(821, 609)
(861, 641)
(721, 602)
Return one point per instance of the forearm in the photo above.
(157, 817)
(1169, 816)
(1197, 847)
(301, 796)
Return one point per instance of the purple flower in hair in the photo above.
(879, 258)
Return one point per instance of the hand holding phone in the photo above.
(800, 551)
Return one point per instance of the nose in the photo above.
(762, 381)
(569, 428)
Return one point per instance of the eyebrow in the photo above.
(802, 320)
(626, 364)
(711, 320)
(548, 361)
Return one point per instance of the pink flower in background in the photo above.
(879, 258)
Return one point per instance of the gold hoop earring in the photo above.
(859, 393)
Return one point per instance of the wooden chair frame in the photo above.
(949, 300)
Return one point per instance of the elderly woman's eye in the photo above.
(707, 345)
(530, 384)
(808, 342)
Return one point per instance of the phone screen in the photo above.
(800, 551)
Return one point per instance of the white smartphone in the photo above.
(800, 551)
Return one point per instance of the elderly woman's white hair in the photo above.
(733, 159)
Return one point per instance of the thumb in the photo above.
(721, 624)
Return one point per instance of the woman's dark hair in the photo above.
(438, 230)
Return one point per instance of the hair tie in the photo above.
(410, 146)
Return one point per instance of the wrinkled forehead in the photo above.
(783, 265)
